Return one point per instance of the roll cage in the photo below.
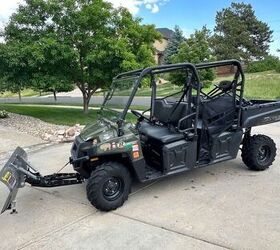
(192, 83)
(236, 89)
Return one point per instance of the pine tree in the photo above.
(173, 45)
(240, 35)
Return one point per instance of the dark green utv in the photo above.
(184, 130)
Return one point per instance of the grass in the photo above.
(24, 93)
(162, 90)
(58, 115)
(264, 85)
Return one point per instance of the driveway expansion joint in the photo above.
(174, 231)
(29, 243)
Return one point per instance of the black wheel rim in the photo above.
(264, 153)
(112, 188)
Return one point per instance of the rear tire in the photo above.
(258, 152)
(109, 186)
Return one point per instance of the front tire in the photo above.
(109, 186)
(258, 152)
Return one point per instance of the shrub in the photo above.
(4, 114)
(268, 63)
(207, 84)
(277, 68)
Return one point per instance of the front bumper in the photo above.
(81, 152)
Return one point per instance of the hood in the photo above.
(100, 131)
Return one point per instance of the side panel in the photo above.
(226, 145)
(180, 154)
(260, 114)
(139, 168)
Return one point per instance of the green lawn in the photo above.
(58, 115)
(264, 85)
(24, 93)
(162, 90)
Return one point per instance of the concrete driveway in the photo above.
(10, 139)
(221, 206)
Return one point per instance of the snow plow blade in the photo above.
(17, 171)
(11, 179)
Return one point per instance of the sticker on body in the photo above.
(9, 179)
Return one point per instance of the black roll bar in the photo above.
(140, 73)
(157, 70)
(233, 62)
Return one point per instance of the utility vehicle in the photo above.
(185, 130)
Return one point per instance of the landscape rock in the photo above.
(46, 131)
(60, 132)
(70, 132)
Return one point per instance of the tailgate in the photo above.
(260, 113)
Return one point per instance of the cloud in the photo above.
(148, 6)
(7, 7)
(155, 8)
(152, 7)
(134, 5)
(187, 32)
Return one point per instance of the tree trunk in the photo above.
(54, 95)
(19, 95)
(86, 104)
(87, 94)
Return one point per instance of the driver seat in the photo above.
(165, 113)
(160, 134)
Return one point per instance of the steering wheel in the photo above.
(139, 115)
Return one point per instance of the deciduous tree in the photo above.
(81, 42)
(14, 67)
(194, 50)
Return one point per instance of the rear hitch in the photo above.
(18, 171)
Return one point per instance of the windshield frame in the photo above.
(110, 94)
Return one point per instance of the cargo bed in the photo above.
(260, 112)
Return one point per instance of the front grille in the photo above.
(75, 147)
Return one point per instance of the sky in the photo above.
(188, 14)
